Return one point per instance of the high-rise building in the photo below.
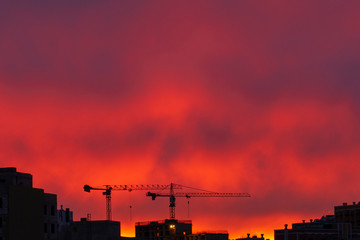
(25, 212)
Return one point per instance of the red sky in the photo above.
(231, 96)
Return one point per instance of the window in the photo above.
(45, 210)
(52, 228)
(45, 228)
(52, 211)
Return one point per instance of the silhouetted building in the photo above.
(50, 215)
(95, 230)
(207, 236)
(339, 232)
(22, 207)
(348, 214)
(65, 220)
(168, 229)
(25, 212)
(344, 225)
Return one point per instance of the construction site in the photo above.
(36, 213)
(31, 213)
(167, 229)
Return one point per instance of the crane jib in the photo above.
(172, 194)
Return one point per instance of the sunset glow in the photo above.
(229, 96)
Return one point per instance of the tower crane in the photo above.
(204, 193)
(109, 188)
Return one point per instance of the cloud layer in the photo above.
(226, 96)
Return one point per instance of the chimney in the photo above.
(354, 203)
(262, 235)
(303, 221)
(286, 226)
(248, 235)
(344, 204)
(311, 220)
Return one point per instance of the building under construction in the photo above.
(168, 229)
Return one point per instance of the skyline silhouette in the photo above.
(30, 212)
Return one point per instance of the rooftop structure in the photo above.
(168, 229)
(344, 225)
(99, 230)
(252, 237)
(208, 236)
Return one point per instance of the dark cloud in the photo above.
(239, 96)
(171, 149)
(17, 148)
(101, 142)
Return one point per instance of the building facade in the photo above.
(343, 225)
(348, 214)
(25, 212)
(95, 230)
(168, 229)
(64, 219)
(207, 236)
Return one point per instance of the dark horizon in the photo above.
(37, 214)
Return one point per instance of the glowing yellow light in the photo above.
(172, 226)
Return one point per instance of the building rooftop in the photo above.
(8, 170)
(163, 222)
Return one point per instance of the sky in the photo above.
(259, 97)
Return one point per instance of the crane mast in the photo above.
(172, 202)
(107, 190)
(107, 194)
